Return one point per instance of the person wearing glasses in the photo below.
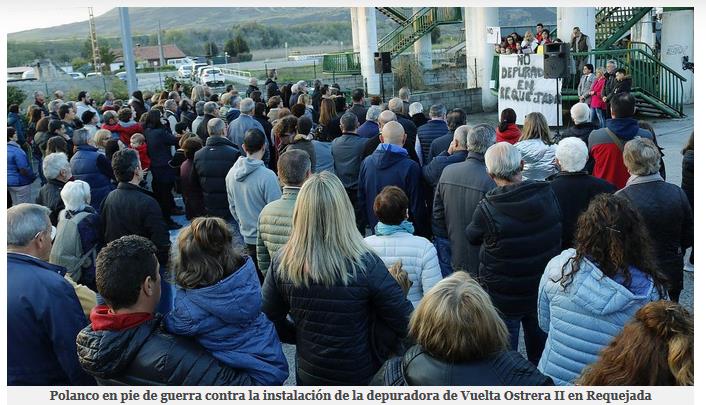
(42, 306)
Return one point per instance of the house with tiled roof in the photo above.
(148, 55)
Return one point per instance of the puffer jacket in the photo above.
(147, 355)
(583, 318)
(211, 165)
(91, 166)
(519, 230)
(274, 226)
(418, 367)
(538, 158)
(16, 160)
(427, 133)
(238, 335)
(418, 258)
(332, 324)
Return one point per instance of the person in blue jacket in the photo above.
(19, 171)
(91, 166)
(218, 302)
(43, 312)
(390, 165)
(15, 121)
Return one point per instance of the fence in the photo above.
(97, 86)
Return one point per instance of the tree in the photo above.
(211, 49)
(79, 63)
(107, 57)
(240, 44)
(231, 48)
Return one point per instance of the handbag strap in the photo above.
(615, 139)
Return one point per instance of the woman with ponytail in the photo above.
(655, 348)
(588, 293)
(218, 302)
(507, 131)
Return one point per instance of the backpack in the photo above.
(67, 250)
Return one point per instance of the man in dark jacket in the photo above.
(126, 343)
(89, 165)
(252, 87)
(456, 153)
(396, 105)
(57, 170)
(435, 128)
(390, 165)
(610, 83)
(623, 82)
(574, 188)
(43, 312)
(518, 228)
(605, 145)
(461, 186)
(211, 165)
(347, 152)
(132, 210)
(358, 107)
(210, 111)
(454, 119)
(664, 207)
(373, 143)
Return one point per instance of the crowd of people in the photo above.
(391, 243)
(534, 42)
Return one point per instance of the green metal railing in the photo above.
(396, 14)
(419, 24)
(342, 63)
(613, 22)
(653, 82)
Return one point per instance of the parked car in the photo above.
(184, 71)
(94, 74)
(195, 67)
(29, 75)
(212, 76)
(77, 75)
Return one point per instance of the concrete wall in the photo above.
(439, 76)
(468, 99)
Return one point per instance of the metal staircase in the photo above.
(418, 25)
(612, 23)
(395, 14)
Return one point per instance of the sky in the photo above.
(20, 18)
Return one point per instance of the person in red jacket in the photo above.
(605, 145)
(126, 126)
(507, 131)
(138, 142)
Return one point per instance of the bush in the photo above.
(15, 95)
(243, 57)
(409, 73)
(169, 84)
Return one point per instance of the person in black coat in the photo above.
(460, 340)
(211, 165)
(574, 188)
(133, 347)
(454, 119)
(326, 300)
(664, 207)
(57, 171)
(372, 144)
(518, 228)
(210, 111)
(358, 108)
(397, 106)
(583, 126)
(687, 183)
(160, 141)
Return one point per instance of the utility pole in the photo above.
(128, 58)
(159, 43)
(94, 41)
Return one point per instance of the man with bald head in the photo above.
(390, 165)
(372, 144)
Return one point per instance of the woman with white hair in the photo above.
(573, 186)
(460, 339)
(79, 235)
(583, 125)
(325, 286)
(664, 207)
(416, 112)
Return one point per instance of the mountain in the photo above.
(143, 20)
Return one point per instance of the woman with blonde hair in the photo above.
(460, 340)
(331, 284)
(655, 348)
(537, 148)
(529, 43)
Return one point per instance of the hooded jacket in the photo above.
(607, 156)
(584, 317)
(519, 230)
(147, 355)
(390, 165)
(538, 158)
(225, 319)
(211, 164)
(16, 160)
(418, 367)
(510, 135)
(250, 186)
